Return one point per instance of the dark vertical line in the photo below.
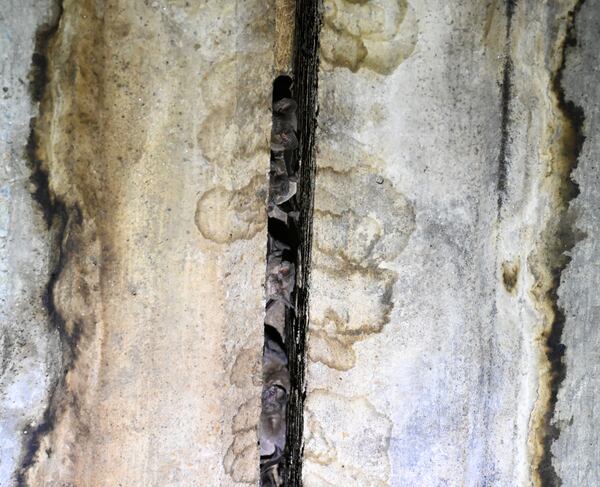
(305, 75)
(510, 10)
(506, 95)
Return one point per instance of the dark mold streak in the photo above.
(56, 218)
(506, 95)
(510, 10)
(504, 130)
(38, 74)
(34, 438)
(565, 237)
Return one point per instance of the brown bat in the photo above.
(285, 124)
(276, 385)
(282, 188)
(281, 277)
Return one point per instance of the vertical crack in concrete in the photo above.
(305, 76)
(506, 95)
(56, 217)
(558, 239)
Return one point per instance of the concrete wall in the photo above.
(576, 456)
(452, 336)
(153, 131)
(442, 210)
(29, 348)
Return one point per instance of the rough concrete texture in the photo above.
(153, 131)
(441, 214)
(29, 355)
(131, 283)
(576, 452)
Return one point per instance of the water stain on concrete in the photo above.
(510, 276)
(350, 245)
(352, 306)
(226, 215)
(342, 449)
(246, 370)
(563, 142)
(377, 34)
(318, 447)
(245, 419)
(232, 135)
(381, 217)
(239, 461)
(102, 139)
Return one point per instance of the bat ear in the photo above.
(285, 105)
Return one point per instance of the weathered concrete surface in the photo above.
(406, 350)
(154, 134)
(28, 348)
(441, 215)
(576, 452)
(440, 177)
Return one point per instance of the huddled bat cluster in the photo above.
(279, 289)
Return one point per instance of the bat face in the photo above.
(275, 317)
(277, 247)
(274, 358)
(285, 124)
(278, 166)
(272, 420)
(274, 398)
(283, 138)
(282, 188)
(281, 278)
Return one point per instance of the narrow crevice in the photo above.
(560, 238)
(290, 208)
(280, 283)
(506, 96)
(282, 87)
(57, 218)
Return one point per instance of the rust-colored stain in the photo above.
(139, 303)
(380, 41)
(224, 215)
(563, 140)
(510, 276)
(285, 12)
(354, 293)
